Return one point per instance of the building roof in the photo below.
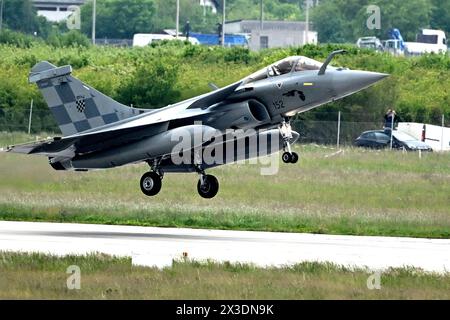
(49, 8)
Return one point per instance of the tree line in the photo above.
(337, 21)
(121, 19)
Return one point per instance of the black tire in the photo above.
(286, 157)
(294, 157)
(209, 188)
(151, 183)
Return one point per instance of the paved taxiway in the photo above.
(158, 246)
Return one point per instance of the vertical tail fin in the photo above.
(76, 106)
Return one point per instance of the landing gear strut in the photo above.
(286, 132)
(207, 185)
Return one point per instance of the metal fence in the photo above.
(114, 42)
(30, 120)
(335, 128)
(333, 132)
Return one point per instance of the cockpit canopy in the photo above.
(287, 65)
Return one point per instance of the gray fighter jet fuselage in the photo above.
(100, 133)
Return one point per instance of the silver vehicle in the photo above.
(100, 133)
(370, 43)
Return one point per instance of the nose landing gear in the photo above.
(290, 157)
(286, 132)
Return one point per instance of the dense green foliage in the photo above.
(18, 39)
(156, 76)
(155, 15)
(118, 20)
(68, 39)
(150, 85)
(21, 15)
(347, 21)
(273, 10)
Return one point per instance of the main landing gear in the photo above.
(207, 186)
(151, 182)
(286, 132)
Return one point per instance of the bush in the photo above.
(18, 39)
(77, 60)
(151, 85)
(72, 38)
(238, 54)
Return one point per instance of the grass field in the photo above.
(355, 192)
(34, 276)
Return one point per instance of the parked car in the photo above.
(372, 139)
(379, 139)
(404, 140)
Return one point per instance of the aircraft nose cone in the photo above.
(354, 81)
(368, 78)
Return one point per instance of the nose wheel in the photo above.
(151, 183)
(207, 186)
(290, 157)
(286, 132)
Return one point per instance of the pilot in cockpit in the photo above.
(283, 67)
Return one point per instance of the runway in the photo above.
(159, 246)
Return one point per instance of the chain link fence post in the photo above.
(339, 130)
(29, 119)
(442, 133)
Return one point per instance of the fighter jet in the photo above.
(99, 132)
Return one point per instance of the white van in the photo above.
(428, 41)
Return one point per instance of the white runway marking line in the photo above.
(151, 246)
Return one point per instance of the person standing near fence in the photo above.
(187, 30)
(390, 119)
